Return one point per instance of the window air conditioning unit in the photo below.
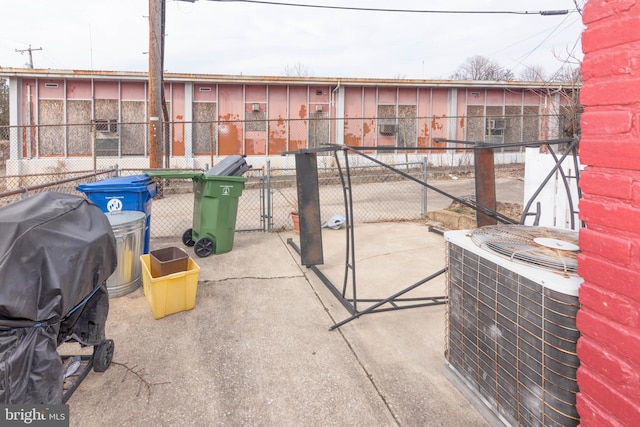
(387, 129)
(318, 108)
(511, 322)
(255, 107)
(497, 124)
(106, 125)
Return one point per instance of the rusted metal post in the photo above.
(309, 209)
(485, 184)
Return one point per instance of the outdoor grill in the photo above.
(56, 253)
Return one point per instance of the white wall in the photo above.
(555, 210)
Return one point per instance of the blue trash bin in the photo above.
(125, 193)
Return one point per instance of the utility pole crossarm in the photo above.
(30, 50)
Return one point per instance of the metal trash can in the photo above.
(125, 193)
(215, 208)
(128, 229)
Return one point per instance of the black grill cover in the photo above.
(56, 253)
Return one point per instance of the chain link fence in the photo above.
(267, 200)
(59, 158)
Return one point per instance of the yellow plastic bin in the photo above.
(172, 293)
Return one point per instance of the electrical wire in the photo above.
(368, 9)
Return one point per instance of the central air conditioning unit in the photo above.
(511, 329)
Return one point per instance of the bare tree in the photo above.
(568, 73)
(532, 73)
(482, 68)
(296, 70)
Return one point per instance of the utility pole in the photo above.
(155, 83)
(30, 55)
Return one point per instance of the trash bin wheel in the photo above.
(187, 238)
(102, 355)
(204, 247)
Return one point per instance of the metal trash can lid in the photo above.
(117, 218)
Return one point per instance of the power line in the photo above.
(368, 9)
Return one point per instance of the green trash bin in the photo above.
(215, 207)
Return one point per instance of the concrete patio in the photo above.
(257, 350)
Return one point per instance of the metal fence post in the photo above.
(269, 212)
(425, 171)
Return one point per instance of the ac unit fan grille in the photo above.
(519, 243)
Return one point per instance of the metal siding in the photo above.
(177, 117)
(204, 96)
(45, 92)
(407, 96)
(440, 108)
(370, 112)
(495, 97)
(277, 127)
(353, 126)
(387, 95)
(78, 89)
(256, 93)
(230, 112)
(106, 90)
(133, 91)
(297, 110)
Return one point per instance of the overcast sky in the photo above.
(214, 37)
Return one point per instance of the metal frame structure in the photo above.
(395, 301)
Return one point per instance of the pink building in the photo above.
(65, 114)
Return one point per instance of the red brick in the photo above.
(593, 356)
(635, 193)
(592, 414)
(596, 10)
(623, 408)
(610, 153)
(609, 304)
(610, 213)
(607, 63)
(612, 91)
(606, 246)
(612, 335)
(609, 276)
(608, 33)
(608, 182)
(606, 122)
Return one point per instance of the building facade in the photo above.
(101, 117)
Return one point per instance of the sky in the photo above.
(255, 39)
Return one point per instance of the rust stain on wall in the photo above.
(435, 124)
(352, 140)
(297, 144)
(424, 132)
(461, 123)
(229, 139)
(277, 145)
(303, 111)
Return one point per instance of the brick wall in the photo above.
(609, 320)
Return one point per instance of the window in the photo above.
(495, 130)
